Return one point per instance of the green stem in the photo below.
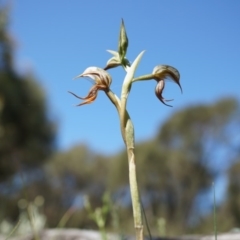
(143, 78)
(30, 212)
(67, 215)
(14, 229)
(127, 131)
(31, 220)
(137, 214)
(214, 212)
(103, 233)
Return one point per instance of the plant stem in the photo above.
(65, 217)
(30, 212)
(214, 212)
(31, 220)
(128, 137)
(127, 131)
(135, 194)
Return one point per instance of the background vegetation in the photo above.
(194, 147)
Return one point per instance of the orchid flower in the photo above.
(160, 74)
(102, 82)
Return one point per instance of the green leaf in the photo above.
(122, 42)
(130, 74)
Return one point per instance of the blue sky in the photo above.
(57, 40)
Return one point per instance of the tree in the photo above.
(173, 172)
(233, 193)
(72, 175)
(200, 131)
(178, 166)
(204, 137)
(26, 133)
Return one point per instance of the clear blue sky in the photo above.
(57, 40)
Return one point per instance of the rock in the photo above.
(77, 234)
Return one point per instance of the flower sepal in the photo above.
(115, 61)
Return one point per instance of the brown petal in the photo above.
(158, 91)
(89, 98)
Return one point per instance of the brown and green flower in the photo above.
(102, 81)
(160, 74)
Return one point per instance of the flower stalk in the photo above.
(127, 130)
(102, 81)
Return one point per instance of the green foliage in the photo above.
(26, 134)
(172, 175)
(6, 43)
(99, 215)
(189, 129)
(178, 166)
(30, 219)
(233, 201)
(79, 165)
(75, 172)
(214, 213)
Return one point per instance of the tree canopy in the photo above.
(26, 133)
(173, 168)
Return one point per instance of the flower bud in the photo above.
(122, 42)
